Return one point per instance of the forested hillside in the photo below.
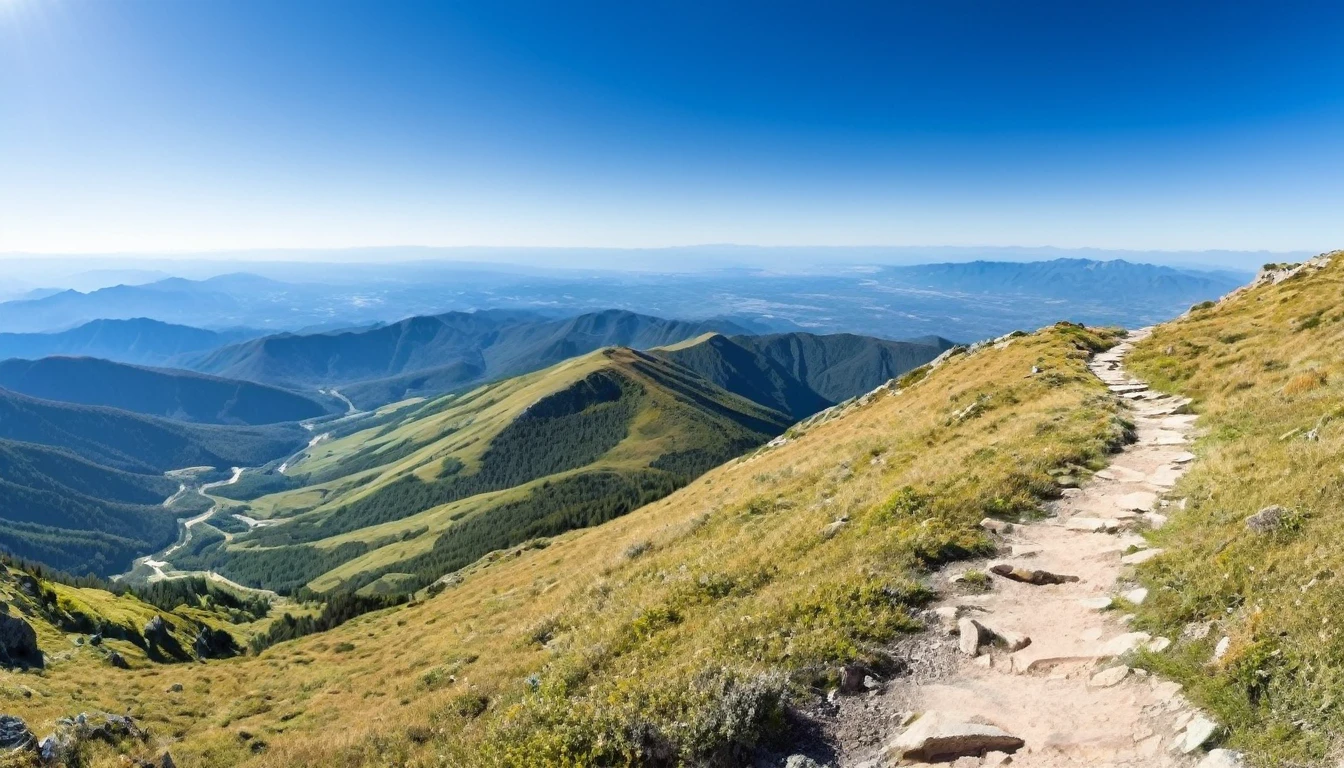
(137, 443)
(802, 373)
(430, 488)
(173, 394)
(433, 354)
(78, 516)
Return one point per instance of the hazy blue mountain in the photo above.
(432, 354)
(1068, 279)
(139, 340)
(802, 373)
(173, 394)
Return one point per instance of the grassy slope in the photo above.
(1264, 368)
(698, 609)
(359, 467)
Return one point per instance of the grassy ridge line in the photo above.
(711, 606)
(672, 633)
(1266, 372)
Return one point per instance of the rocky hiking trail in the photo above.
(1033, 671)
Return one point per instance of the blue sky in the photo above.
(184, 125)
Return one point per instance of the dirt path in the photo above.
(1062, 694)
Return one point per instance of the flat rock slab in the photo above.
(1121, 474)
(1093, 524)
(939, 737)
(1139, 501)
(1029, 576)
(1138, 558)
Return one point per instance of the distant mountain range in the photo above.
(137, 340)
(1070, 279)
(962, 300)
(434, 354)
(173, 394)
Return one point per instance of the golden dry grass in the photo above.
(1265, 370)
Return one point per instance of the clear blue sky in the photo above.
(208, 124)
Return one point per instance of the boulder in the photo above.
(1267, 520)
(1198, 733)
(1028, 576)
(18, 642)
(15, 735)
(156, 629)
(939, 737)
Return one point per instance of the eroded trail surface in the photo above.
(1067, 698)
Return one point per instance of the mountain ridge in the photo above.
(165, 392)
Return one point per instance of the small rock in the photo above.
(1222, 758)
(1267, 520)
(995, 759)
(801, 761)
(1198, 733)
(1154, 520)
(1096, 603)
(1159, 644)
(1140, 557)
(1027, 576)
(834, 527)
(1220, 650)
(996, 526)
(1013, 641)
(971, 635)
(117, 660)
(851, 678)
(1109, 677)
(175, 688)
(1122, 644)
(1136, 596)
(947, 618)
(939, 737)
(1023, 550)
